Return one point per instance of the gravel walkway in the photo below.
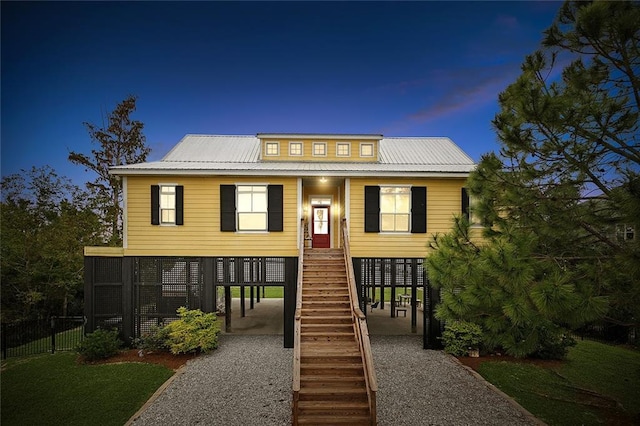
(247, 381)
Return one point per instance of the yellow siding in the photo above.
(443, 201)
(200, 235)
(104, 251)
(307, 151)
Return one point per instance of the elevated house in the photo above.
(220, 211)
(335, 219)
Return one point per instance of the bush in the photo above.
(553, 344)
(100, 344)
(461, 336)
(154, 340)
(194, 331)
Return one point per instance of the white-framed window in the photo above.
(252, 207)
(343, 149)
(320, 149)
(295, 149)
(366, 150)
(168, 204)
(272, 148)
(395, 208)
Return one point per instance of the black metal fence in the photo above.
(608, 333)
(41, 336)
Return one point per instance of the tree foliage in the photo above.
(120, 142)
(45, 221)
(560, 202)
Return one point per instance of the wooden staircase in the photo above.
(332, 377)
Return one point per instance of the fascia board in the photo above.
(311, 173)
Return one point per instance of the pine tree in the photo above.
(567, 177)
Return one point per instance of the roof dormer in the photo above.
(333, 148)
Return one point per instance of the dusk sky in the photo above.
(396, 68)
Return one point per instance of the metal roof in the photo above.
(240, 155)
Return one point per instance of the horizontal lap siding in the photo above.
(307, 151)
(200, 235)
(443, 202)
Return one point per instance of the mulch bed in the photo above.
(167, 359)
(474, 363)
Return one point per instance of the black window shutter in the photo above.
(274, 207)
(371, 209)
(227, 208)
(155, 204)
(465, 204)
(179, 205)
(419, 210)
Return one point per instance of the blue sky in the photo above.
(396, 68)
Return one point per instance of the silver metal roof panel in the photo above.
(215, 154)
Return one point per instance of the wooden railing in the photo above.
(362, 332)
(297, 327)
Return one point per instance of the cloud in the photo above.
(457, 91)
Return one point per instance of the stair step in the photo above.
(338, 393)
(326, 289)
(329, 409)
(322, 298)
(326, 337)
(350, 419)
(327, 303)
(324, 381)
(327, 319)
(327, 328)
(332, 369)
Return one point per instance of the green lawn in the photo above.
(597, 384)
(275, 292)
(55, 390)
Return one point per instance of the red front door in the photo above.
(320, 225)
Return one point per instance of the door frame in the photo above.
(330, 219)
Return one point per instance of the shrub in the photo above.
(100, 344)
(553, 344)
(461, 336)
(154, 340)
(194, 331)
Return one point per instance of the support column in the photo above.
(290, 288)
(414, 295)
(431, 340)
(208, 285)
(88, 295)
(127, 298)
(227, 309)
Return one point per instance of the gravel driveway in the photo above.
(247, 381)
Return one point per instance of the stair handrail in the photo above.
(362, 331)
(297, 327)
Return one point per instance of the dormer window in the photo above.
(366, 150)
(295, 149)
(343, 149)
(272, 148)
(320, 149)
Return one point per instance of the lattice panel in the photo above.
(107, 270)
(108, 300)
(274, 269)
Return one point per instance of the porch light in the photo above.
(323, 179)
